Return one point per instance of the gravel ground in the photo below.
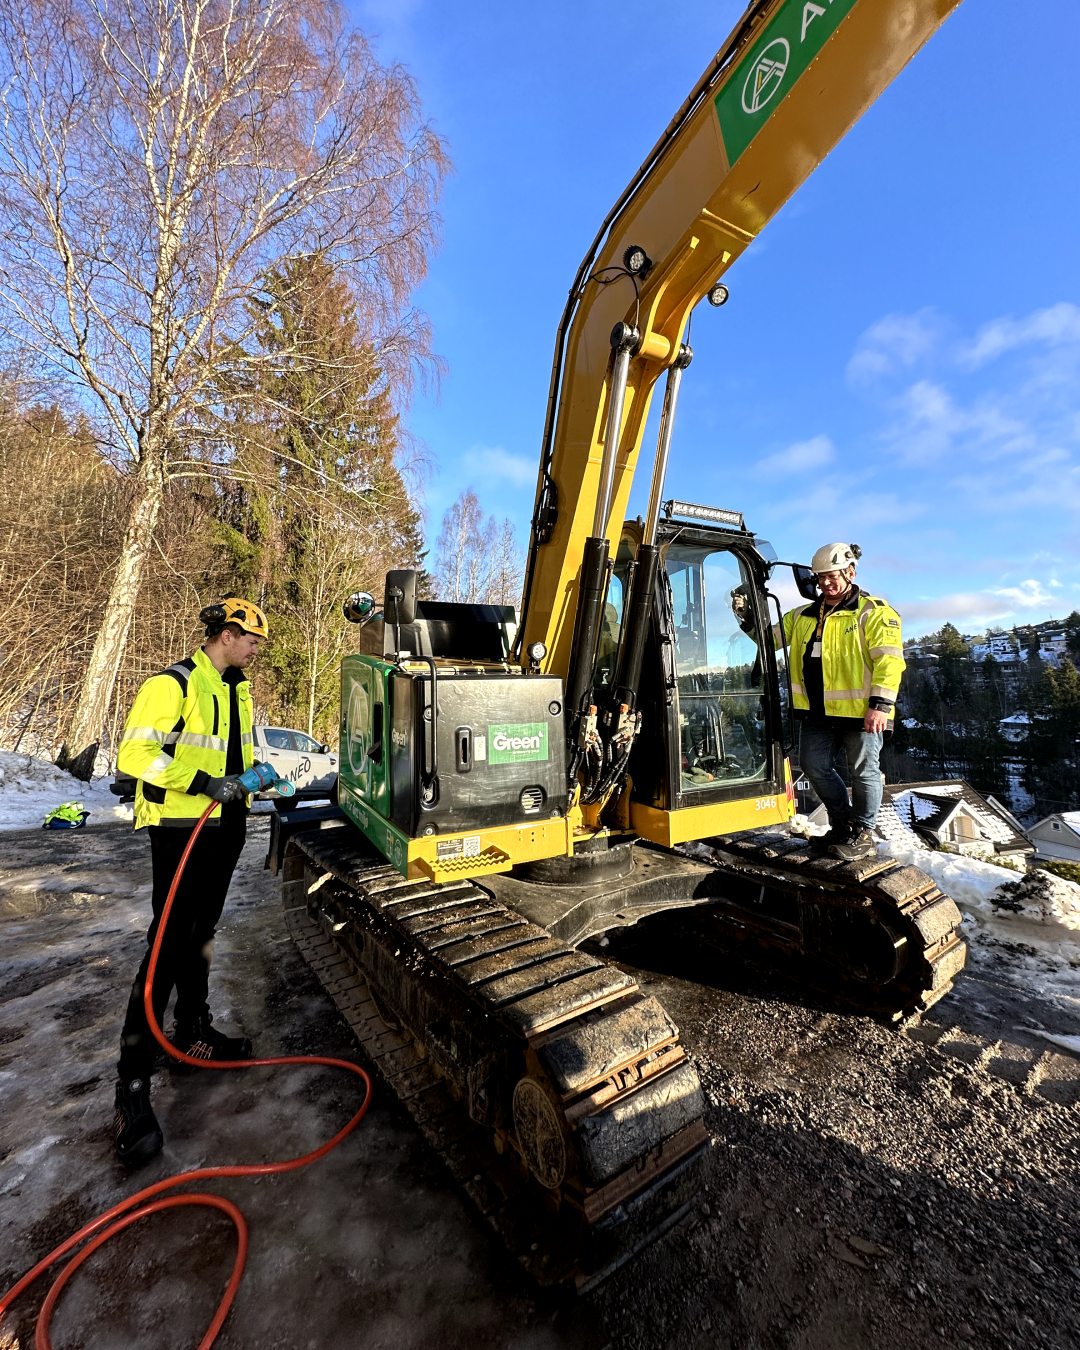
(866, 1187)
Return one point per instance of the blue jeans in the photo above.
(822, 749)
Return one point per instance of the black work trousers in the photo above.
(186, 952)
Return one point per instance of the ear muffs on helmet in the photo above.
(243, 613)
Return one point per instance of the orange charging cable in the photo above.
(134, 1208)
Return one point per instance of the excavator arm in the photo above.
(791, 79)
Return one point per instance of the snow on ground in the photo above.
(1026, 928)
(30, 787)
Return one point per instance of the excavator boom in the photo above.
(791, 79)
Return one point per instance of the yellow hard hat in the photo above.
(243, 613)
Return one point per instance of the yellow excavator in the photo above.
(514, 785)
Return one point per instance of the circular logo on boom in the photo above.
(766, 75)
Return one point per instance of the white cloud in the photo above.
(1056, 326)
(997, 602)
(799, 458)
(1028, 595)
(838, 512)
(492, 461)
(961, 607)
(933, 428)
(1046, 482)
(893, 343)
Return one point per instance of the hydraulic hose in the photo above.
(141, 1204)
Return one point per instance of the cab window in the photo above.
(277, 738)
(306, 744)
(721, 680)
(611, 619)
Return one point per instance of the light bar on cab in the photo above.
(714, 513)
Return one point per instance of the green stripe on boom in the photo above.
(767, 73)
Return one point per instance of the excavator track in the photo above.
(874, 933)
(555, 1092)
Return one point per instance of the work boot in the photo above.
(202, 1040)
(859, 845)
(137, 1134)
(820, 844)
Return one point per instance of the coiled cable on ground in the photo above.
(142, 1203)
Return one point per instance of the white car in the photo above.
(295, 755)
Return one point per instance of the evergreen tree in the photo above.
(320, 507)
(1072, 637)
(1051, 748)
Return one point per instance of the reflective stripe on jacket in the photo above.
(862, 655)
(177, 737)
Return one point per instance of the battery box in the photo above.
(492, 753)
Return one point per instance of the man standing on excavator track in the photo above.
(187, 739)
(847, 658)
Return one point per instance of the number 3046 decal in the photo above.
(765, 804)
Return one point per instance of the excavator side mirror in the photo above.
(359, 607)
(766, 553)
(399, 596)
(806, 582)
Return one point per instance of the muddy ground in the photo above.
(865, 1187)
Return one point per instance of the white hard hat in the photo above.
(835, 557)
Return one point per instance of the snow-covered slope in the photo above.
(1022, 930)
(31, 787)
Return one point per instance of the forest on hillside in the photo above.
(949, 719)
(213, 222)
(316, 502)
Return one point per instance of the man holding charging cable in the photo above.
(187, 740)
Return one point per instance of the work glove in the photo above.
(225, 790)
(740, 604)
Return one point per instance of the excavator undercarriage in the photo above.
(554, 1090)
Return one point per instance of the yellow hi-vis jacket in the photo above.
(862, 655)
(177, 737)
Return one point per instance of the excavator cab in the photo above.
(713, 693)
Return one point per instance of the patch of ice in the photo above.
(1065, 1042)
(30, 787)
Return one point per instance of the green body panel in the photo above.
(791, 39)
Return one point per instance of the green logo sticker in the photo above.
(518, 744)
(762, 79)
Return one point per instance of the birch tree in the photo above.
(157, 157)
(477, 561)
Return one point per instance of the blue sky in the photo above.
(899, 362)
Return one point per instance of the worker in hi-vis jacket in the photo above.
(187, 739)
(846, 656)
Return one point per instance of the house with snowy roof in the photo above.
(950, 814)
(1058, 836)
(1015, 727)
